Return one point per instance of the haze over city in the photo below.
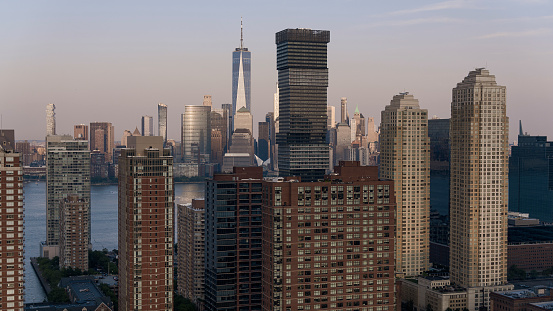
(104, 61)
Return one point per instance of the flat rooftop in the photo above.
(537, 234)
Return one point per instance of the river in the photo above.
(104, 223)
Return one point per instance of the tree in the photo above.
(183, 304)
(57, 295)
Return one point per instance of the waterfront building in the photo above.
(162, 122)
(404, 158)
(329, 244)
(101, 138)
(241, 76)
(530, 181)
(146, 232)
(191, 250)
(147, 126)
(80, 132)
(67, 173)
(303, 82)
(74, 235)
(50, 119)
(196, 134)
(233, 240)
(12, 239)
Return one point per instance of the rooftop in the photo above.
(530, 235)
(545, 305)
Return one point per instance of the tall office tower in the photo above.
(276, 103)
(478, 203)
(162, 122)
(353, 130)
(343, 141)
(220, 122)
(207, 100)
(74, 236)
(67, 173)
(191, 250)
(303, 82)
(243, 119)
(438, 132)
(359, 123)
(241, 76)
(329, 245)
(530, 187)
(196, 134)
(24, 148)
(217, 151)
(372, 135)
(405, 158)
(331, 117)
(12, 237)
(50, 119)
(233, 240)
(80, 132)
(344, 112)
(126, 135)
(101, 138)
(263, 141)
(146, 233)
(147, 126)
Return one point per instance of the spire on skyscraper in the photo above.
(241, 34)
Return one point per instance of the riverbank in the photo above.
(45, 285)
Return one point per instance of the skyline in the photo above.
(118, 61)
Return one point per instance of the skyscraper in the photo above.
(241, 76)
(196, 134)
(101, 138)
(331, 117)
(303, 82)
(67, 173)
(146, 233)
(12, 237)
(80, 132)
(479, 174)
(162, 122)
(147, 126)
(50, 119)
(74, 236)
(405, 159)
(344, 115)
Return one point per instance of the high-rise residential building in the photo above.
(329, 245)
(531, 177)
(162, 122)
(191, 251)
(276, 103)
(478, 202)
(80, 132)
(126, 135)
(101, 138)
(331, 117)
(196, 134)
(12, 237)
(405, 159)
(146, 233)
(344, 115)
(50, 119)
(207, 100)
(241, 76)
(67, 173)
(233, 240)
(303, 82)
(147, 123)
(74, 236)
(263, 141)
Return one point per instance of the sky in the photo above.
(115, 61)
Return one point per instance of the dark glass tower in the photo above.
(302, 82)
(241, 76)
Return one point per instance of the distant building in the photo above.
(191, 250)
(521, 299)
(344, 115)
(67, 173)
(147, 126)
(331, 117)
(162, 122)
(241, 77)
(11, 224)
(101, 138)
(99, 168)
(146, 193)
(438, 131)
(74, 235)
(531, 177)
(80, 132)
(126, 135)
(196, 134)
(207, 100)
(50, 119)
(243, 119)
(263, 141)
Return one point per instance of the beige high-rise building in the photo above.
(101, 138)
(50, 119)
(191, 250)
(74, 236)
(479, 176)
(80, 132)
(405, 158)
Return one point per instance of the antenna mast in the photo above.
(241, 35)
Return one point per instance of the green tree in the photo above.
(183, 304)
(57, 295)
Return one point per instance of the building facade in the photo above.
(67, 173)
(241, 76)
(162, 122)
(191, 251)
(233, 240)
(329, 245)
(80, 132)
(12, 238)
(74, 235)
(405, 159)
(147, 123)
(302, 82)
(196, 134)
(50, 119)
(101, 138)
(146, 233)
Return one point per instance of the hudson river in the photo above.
(104, 223)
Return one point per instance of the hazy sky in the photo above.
(116, 60)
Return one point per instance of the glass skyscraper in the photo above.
(302, 82)
(241, 76)
(196, 134)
